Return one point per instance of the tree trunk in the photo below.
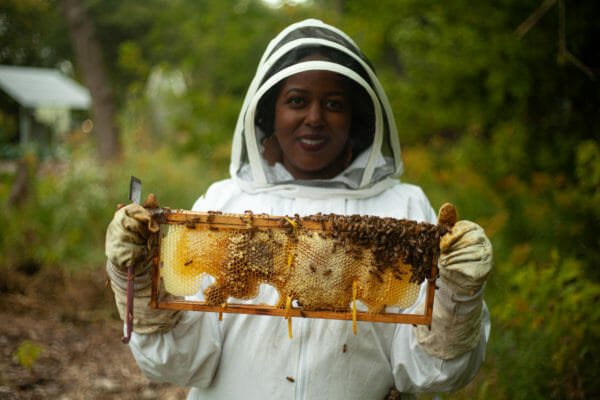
(20, 187)
(89, 59)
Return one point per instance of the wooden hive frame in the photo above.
(266, 222)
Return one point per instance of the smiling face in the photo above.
(312, 124)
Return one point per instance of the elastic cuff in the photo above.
(141, 280)
(147, 320)
(456, 325)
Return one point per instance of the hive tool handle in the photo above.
(135, 194)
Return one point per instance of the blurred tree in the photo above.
(89, 58)
(32, 33)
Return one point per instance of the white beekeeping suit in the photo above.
(252, 357)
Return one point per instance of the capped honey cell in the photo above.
(314, 260)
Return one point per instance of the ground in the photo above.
(70, 318)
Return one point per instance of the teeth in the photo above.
(312, 141)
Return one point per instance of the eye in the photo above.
(295, 101)
(336, 104)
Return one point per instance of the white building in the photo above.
(45, 98)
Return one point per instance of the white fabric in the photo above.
(251, 356)
(243, 151)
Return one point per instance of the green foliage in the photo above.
(58, 223)
(548, 317)
(587, 168)
(176, 179)
(71, 201)
(32, 33)
(542, 295)
(27, 353)
(506, 128)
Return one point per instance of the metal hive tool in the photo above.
(320, 265)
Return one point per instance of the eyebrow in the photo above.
(335, 93)
(296, 90)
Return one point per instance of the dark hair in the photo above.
(265, 110)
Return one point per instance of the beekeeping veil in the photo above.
(376, 159)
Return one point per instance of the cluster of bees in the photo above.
(389, 239)
(249, 261)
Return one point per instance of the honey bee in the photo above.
(190, 225)
(344, 348)
(376, 275)
(289, 378)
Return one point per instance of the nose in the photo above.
(314, 115)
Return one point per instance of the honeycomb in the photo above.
(321, 262)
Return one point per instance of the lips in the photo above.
(312, 143)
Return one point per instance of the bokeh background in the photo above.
(497, 105)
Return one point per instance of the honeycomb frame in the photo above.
(257, 224)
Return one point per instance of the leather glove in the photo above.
(464, 264)
(127, 243)
(466, 258)
(127, 237)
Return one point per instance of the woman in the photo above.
(315, 134)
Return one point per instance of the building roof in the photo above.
(36, 87)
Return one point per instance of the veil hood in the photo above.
(371, 172)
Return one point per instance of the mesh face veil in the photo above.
(307, 46)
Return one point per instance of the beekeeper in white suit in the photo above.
(315, 134)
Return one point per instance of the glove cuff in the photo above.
(456, 324)
(142, 278)
(147, 320)
(459, 304)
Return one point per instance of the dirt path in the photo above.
(73, 322)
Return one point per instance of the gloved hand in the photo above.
(466, 258)
(464, 264)
(126, 243)
(127, 236)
